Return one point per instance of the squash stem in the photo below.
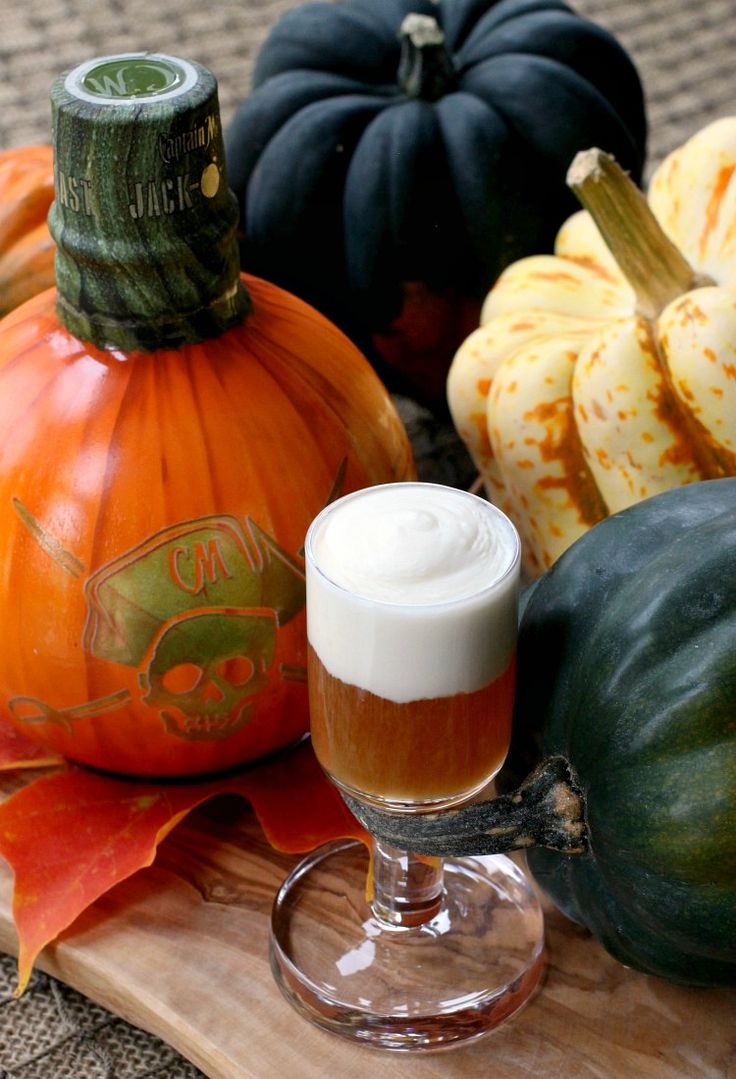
(654, 267)
(547, 810)
(425, 70)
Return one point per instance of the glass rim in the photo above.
(471, 597)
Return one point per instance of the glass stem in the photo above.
(406, 888)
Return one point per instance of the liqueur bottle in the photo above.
(170, 428)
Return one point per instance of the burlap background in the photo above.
(685, 53)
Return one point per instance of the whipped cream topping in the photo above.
(409, 545)
(412, 590)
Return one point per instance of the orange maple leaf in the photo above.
(17, 751)
(71, 835)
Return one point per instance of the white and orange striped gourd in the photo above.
(606, 372)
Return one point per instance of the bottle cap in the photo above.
(143, 219)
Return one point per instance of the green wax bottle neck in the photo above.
(143, 219)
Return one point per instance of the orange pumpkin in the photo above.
(154, 500)
(26, 248)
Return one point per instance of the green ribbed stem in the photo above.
(144, 221)
(425, 70)
(547, 810)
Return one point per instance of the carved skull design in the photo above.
(206, 669)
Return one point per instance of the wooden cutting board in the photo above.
(181, 950)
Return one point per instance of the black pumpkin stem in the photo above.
(547, 810)
(425, 70)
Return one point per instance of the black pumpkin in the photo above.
(626, 690)
(389, 168)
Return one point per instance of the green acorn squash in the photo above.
(395, 155)
(627, 689)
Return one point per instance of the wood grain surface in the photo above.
(181, 949)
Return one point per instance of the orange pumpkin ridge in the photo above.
(26, 248)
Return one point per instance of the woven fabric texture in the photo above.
(684, 53)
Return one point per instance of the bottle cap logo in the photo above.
(131, 77)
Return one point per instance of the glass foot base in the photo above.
(447, 982)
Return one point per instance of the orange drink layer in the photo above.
(425, 750)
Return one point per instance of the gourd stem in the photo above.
(425, 70)
(654, 267)
(547, 810)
